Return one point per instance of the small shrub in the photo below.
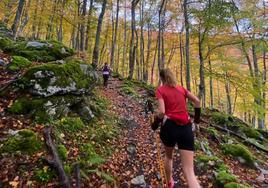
(44, 175)
(219, 118)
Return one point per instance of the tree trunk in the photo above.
(142, 41)
(88, 24)
(201, 69)
(115, 34)
(146, 65)
(17, 18)
(51, 21)
(25, 17)
(125, 39)
(82, 28)
(187, 44)
(34, 24)
(228, 96)
(132, 49)
(181, 59)
(152, 70)
(40, 20)
(95, 57)
(210, 84)
(60, 29)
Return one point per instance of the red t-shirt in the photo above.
(175, 103)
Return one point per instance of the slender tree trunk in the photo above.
(228, 95)
(132, 50)
(17, 18)
(152, 70)
(264, 88)
(25, 17)
(142, 40)
(97, 39)
(146, 65)
(51, 21)
(60, 29)
(82, 28)
(181, 59)
(88, 24)
(115, 34)
(187, 44)
(201, 69)
(125, 39)
(40, 20)
(34, 24)
(210, 84)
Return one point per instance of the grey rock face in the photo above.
(35, 44)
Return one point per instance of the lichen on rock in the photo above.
(52, 79)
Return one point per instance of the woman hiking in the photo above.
(176, 128)
(105, 73)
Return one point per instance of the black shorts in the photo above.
(172, 134)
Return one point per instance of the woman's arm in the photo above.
(161, 108)
(197, 106)
(194, 99)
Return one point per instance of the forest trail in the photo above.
(136, 153)
(135, 156)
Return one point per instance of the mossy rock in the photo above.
(239, 150)
(18, 62)
(221, 118)
(63, 152)
(213, 132)
(5, 43)
(251, 132)
(25, 141)
(205, 162)
(223, 178)
(53, 79)
(44, 110)
(90, 156)
(235, 185)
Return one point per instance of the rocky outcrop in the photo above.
(58, 79)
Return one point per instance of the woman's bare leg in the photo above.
(168, 163)
(187, 160)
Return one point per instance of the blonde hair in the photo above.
(167, 77)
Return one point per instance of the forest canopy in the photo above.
(216, 48)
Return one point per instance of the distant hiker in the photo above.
(176, 126)
(105, 73)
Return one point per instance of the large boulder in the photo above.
(54, 79)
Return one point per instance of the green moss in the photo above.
(91, 157)
(25, 141)
(65, 75)
(213, 132)
(63, 152)
(221, 119)
(238, 150)
(67, 169)
(5, 43)
(70, 124)
(223, 178)
(250, 132)
(235, 185)
(44, 175)
(129, 90)
(25, 105)
(18, 62)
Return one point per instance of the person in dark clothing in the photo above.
(105, 73)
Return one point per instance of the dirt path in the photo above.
(135, 155)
